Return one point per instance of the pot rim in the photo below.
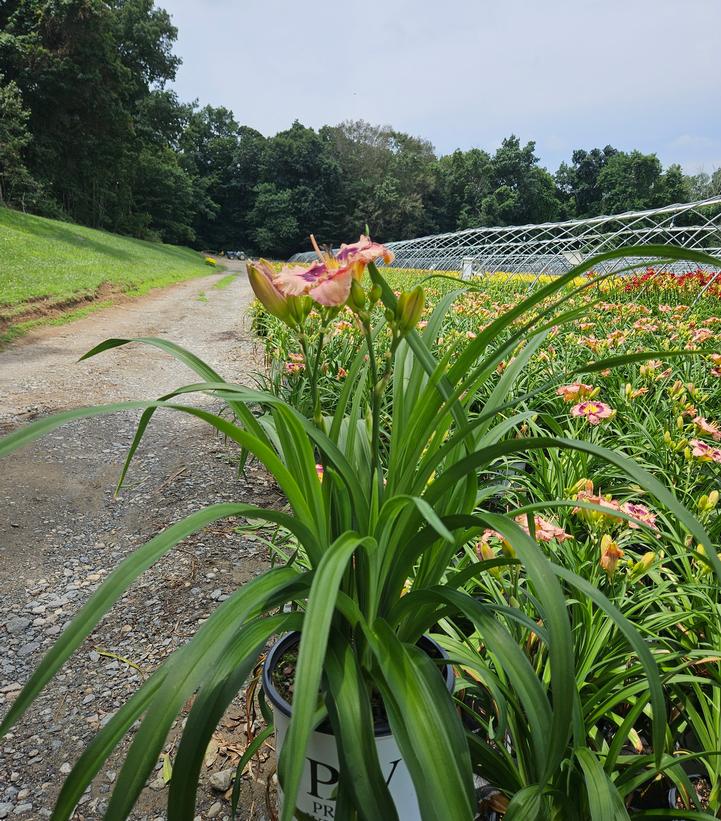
(381, 729)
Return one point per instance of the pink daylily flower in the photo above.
(329, 279)
(641, 513)
(709, 428)
(704, 452)
(545, 531)
(592, 412)
(365, 251)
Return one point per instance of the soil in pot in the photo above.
(283, 678)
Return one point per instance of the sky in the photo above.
(640, 74)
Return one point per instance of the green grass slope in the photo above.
(42, 258)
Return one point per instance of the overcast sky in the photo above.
(568, 74)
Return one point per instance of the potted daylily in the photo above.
(382, 497)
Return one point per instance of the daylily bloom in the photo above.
(584, 493)
(704, 452)
(641, 513)
(701, 335)
(593, 412)
(328, 281)
(545, 531)
(610, 554)
(709, 428)
(319, 471)
(576, 391)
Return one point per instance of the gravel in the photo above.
(63, 531)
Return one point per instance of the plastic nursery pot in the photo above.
(316, 796)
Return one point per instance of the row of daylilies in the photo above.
(676, 403)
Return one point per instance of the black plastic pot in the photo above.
(290, 640)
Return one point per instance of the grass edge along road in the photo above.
(52, 272)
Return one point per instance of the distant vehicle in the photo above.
(235, 255)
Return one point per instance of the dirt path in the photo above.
(62, 531)
(41, 372)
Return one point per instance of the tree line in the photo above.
(91, 132)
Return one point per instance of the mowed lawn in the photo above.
(44, 258)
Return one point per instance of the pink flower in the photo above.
(575, 391)
(329, 279)
(584, 493)
(319, 471)
(365, 251)
(641, 513)
(293, 367)
(701, 335)
(709, 428)
(593, 412)
(545, 531)
(704, 452)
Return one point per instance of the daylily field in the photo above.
(663, 411)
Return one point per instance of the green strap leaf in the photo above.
(187, 669)
(311, 655)
(228, 677)
(352, 721)
(425, 725)
(113, 588)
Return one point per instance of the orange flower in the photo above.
(545, 531)
(576, 391)
(610, 555)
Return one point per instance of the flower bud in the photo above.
(375, 294)
(299, 307)
(270, 297)
(707, 503)
(357, 297)
(409, 309)
(610, 555)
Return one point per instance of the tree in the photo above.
(276, 231)
(578, 182)
(16, 182)
(631, 182)
(522, 192)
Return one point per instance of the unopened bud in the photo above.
(357, 298)
(409, 309)
(270, 297)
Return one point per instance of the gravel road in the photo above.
(62, 530)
